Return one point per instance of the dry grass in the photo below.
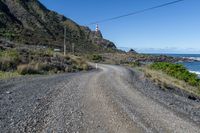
(79, 63)
(168, 82)
(43, 61)
(31, 68)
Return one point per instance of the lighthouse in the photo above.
(98, 32)
(97, 28)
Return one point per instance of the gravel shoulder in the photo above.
(112, 99)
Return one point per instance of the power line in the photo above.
(136, 12)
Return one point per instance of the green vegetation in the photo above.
(79, 64)
(14, 62)
(165, 81)
(45, 27)
(9, 60)
(177, 71)
(41, 53)
(96, 58)
(7, 75)
(134, 64)
(9, 35)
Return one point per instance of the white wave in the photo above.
(196, 72)
(192, 58)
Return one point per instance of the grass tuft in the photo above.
(32, 68)
(9, 59)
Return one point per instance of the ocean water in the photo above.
(193, 67)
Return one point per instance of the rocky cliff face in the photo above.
(97, 38)
(29, 22)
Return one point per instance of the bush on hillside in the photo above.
(35, 54)
(9, 60)
(96, 57)
(7, 75)
(134, 64)
(177, 71)
(79, 64)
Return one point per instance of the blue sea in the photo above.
(193, 67)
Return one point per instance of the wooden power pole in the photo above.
(73, 50)
(64, 40)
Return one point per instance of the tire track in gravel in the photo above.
(104, 113)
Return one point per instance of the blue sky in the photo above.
(171, 29)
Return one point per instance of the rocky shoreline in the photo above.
(161, 58)
(126, 58)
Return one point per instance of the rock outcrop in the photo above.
(132, 51)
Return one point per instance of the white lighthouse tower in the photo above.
(98, 32)
(97, 28)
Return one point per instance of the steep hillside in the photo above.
(29, 22)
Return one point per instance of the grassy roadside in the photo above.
(17, 62)
(166, 81)
(8, 75)
(177, 71)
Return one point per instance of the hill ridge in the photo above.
(30, 22)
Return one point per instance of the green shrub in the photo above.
(41, 53)
(7, 75)
(177, 71)
(9, 34)
(79, 64)
(48, 52)
(9, 59)
(97, 58)
(134, 64)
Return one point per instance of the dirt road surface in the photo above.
(112, 99)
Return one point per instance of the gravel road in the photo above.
(112, 99)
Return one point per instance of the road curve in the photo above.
(100, 101)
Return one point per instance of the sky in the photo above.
(171, 29)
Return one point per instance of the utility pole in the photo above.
(73, 50)
(64, 40)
